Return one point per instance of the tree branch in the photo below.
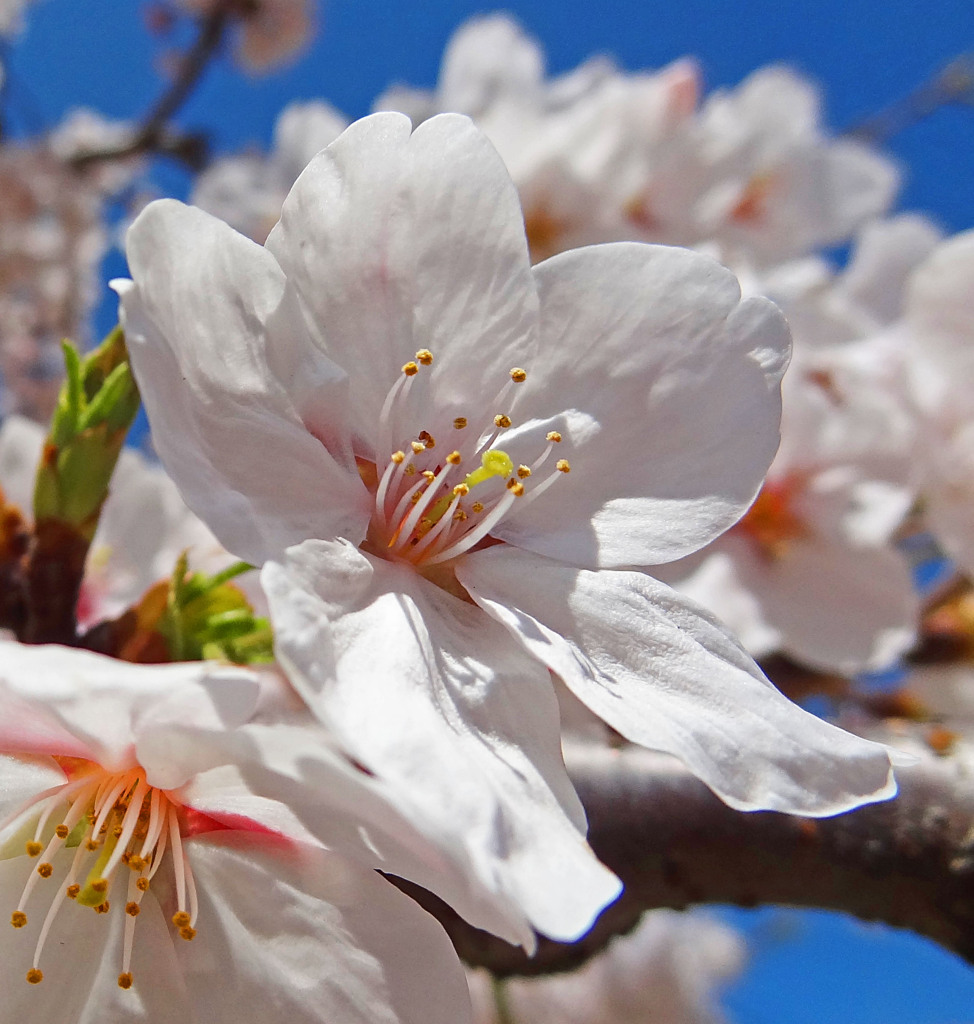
(154, 135)
(908, 862)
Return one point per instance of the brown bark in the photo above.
(908, 862)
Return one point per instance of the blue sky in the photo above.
(808, 968)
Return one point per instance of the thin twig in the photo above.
(155, 136)
(953, 84)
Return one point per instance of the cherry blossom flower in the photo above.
(450, 463)
(271, 32)
(936, 338)
(601, 154)
(145, 880)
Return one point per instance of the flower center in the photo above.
(432, 507)
(115, 823)
(772, 522)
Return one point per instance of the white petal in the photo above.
(681, 379)
(59, 700)
(302, 935)
(664, 674)
(239, 403)
(397, 242)
(435, 698)
(837, 606)
(293, 780)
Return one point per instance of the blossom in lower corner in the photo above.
(145, 881)
(449, 463)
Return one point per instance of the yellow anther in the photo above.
(500, 420)
(142, 883)
(410, 369)
(398, 458)
(100, 885)
(424, 356)
(454, 458)
(417, 447)
(34, 849)
(518, 375)
(423, 527)
(562, 466)
(459, 423)
(91, 844)
(523, 472)
(117, 831)
(18, 919)
(135, 862)
(102, 908)
(180, 919)
(125, 980)
(132, 909)
(187, 933)
(477, 506)
(410, 470)
(461, 490)
(72, 891)
(459, 515)
(515, 487)
(427, 438)
(415, 498)
(61, 831)
(553, 436)
(45, 870)
(429, 475)
(35, 976)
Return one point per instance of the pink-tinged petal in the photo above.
(397, 242)
(81, 961)
(283, 930)
(241, 406)
(438, 701)
(666, 675)
(680, 382)
(59, 700)
(303, 935)
(22, 779)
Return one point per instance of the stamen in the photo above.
(501, 420)
(454, 458)
(459, 423)
(410, 369)
(523, 471)
(518, 375)
(553, 436)
(18, 919)
(125, 979)
(34, 848)
(34, 976)
(472, 537)
(424, 356)
(562, 465)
